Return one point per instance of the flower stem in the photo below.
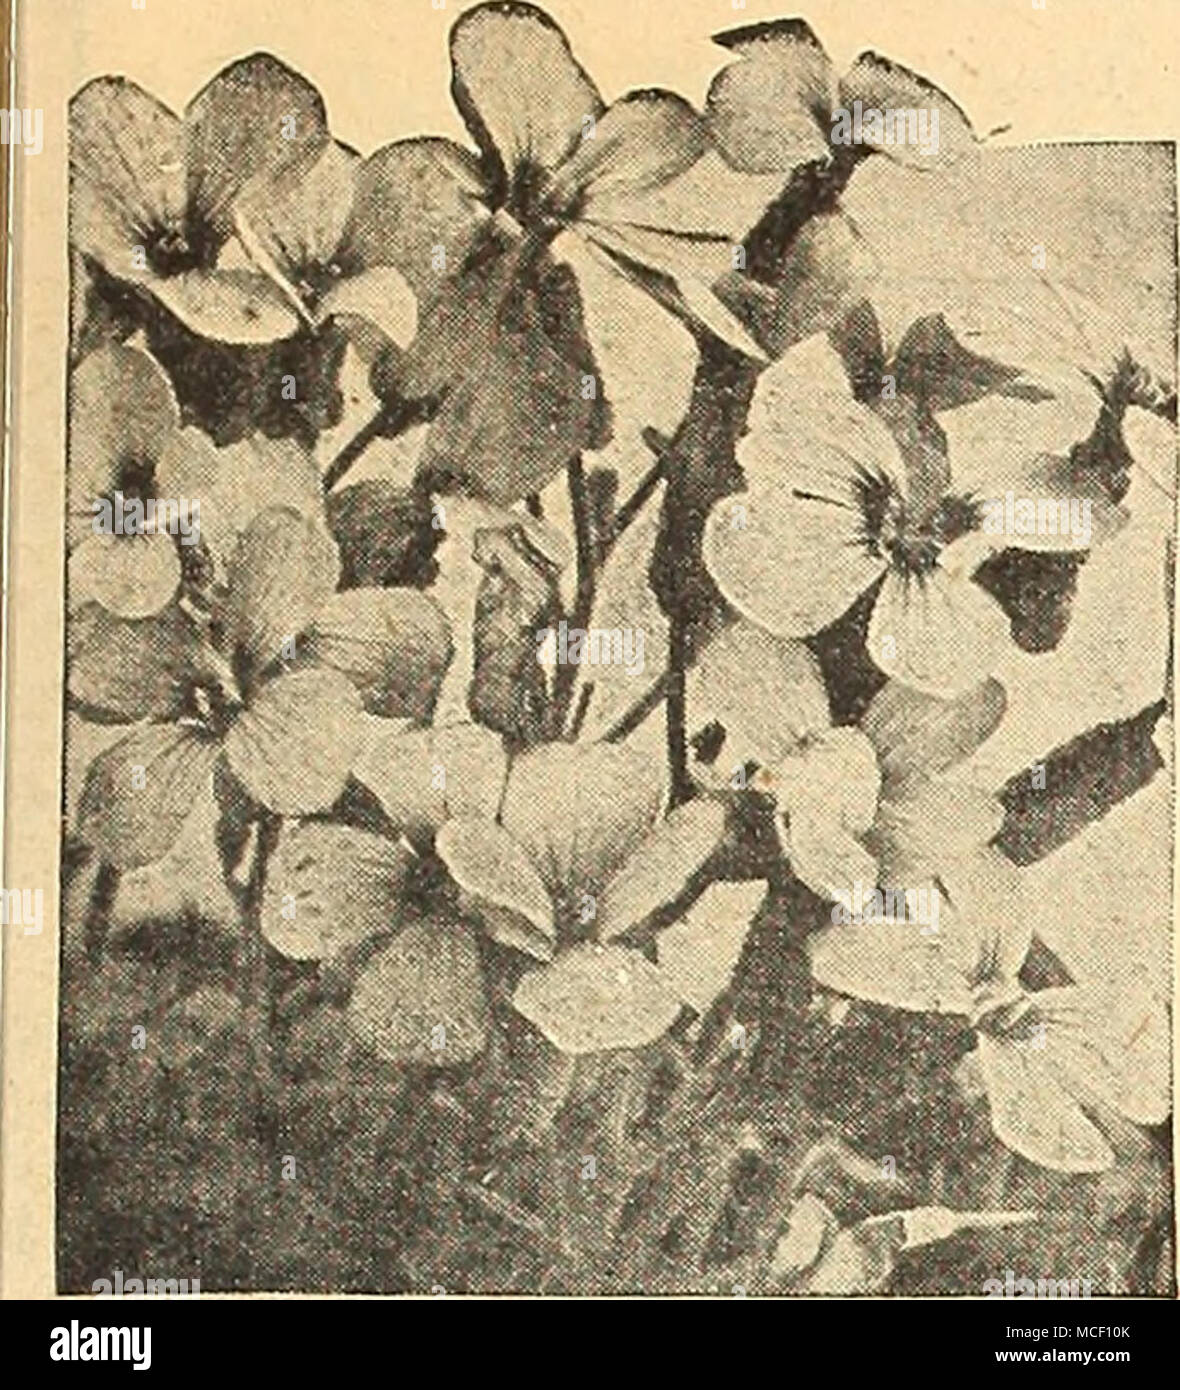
(567, 674)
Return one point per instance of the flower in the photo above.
(873, 804)
(301, 237)
(501, 342)
(153, 197)
(1052, 1060)
(269, 685)
(577, 859)
(843, 499)
(780, 104)
(126, 445)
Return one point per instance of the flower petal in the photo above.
(496, 873)
(294, 747)
(419, 208)
(121, 410)
(923, 830)
(581, 809)
(331, 887)
(1111, 1045)
(129, 669)
(421, 1000)
(597, 998)
(381, 297)
(139, 793)
(423, 776)
(256, 126)
(766, 693)
(284, 570)
(826, 858)
(833, 774)
(126, 171)
(699, 953)
(522, 93)
(918, 735)
(885, 86)
(1033, 1114)
(789, 561)
(393, 644)
(660, 869)
(504, 347)
(235, 484)
(229, 306)
(942, 635)
(771, 109)
(130, 576)
(889, 962)
(643, 140)
(301, 225)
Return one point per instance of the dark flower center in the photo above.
(909, 546)
(313, 278)
(175, 247)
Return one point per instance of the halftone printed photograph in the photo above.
(615, 723)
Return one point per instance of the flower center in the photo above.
(173, 248)
(910, 547)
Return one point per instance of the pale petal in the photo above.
(766, 692)
(393, 644)
(284, 571)
(834, 774)
(660, 869)
(1033, 1114)
(139, 793)
(918, 735)
(581, 809)
(302, 225)
(255, 127)
(1109, 1044)
(825, 857)
(941, 635)
(236, 484)
(519, 88)
(885, 86)
(698, 954)
(496, 873)
(382, 297)
(331, 887)
(770, 110)
(130, 576)
(423, 776)
(924, 830)
(294, 746)
(644, 140)
(598, 998)
(889, 962)
(229, 306)
(121, 410)
(789, 561)
(418, 207)
(126, 171)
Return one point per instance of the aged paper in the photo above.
(590, 617)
